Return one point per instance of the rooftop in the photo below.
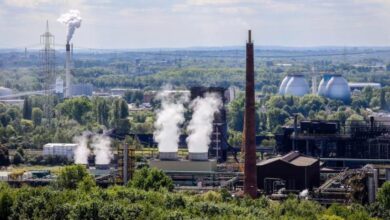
(294, 158)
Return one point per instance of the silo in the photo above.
(283, 85)
(324, 82)
(338, 88)
(297, 86)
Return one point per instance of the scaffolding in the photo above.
(126, 164)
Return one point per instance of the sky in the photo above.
(133, 24)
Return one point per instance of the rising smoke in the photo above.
(82, 151)
(72, 20)
(101, 145)
(169, 118)
(201, 124)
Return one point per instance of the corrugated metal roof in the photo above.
(294, 158)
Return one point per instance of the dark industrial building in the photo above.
(352, 144)
(293, 171)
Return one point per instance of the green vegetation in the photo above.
(76, 196)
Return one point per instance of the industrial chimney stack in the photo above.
(250, 181)
(67, 72)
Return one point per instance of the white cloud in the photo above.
(27, 3)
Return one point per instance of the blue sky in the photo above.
(185, 23)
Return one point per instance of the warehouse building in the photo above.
(293, 171)
(59, 149)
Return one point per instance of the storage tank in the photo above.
(324, 82)
(338, 88)
(297, 86)
(283, 85)
(5, 91)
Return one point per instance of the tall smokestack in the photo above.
(67, 72)
(250, 181)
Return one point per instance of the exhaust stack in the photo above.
(67, 72)
(249, 138)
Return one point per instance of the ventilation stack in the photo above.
(68, 76)
(250, 181)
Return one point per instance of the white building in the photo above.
(59, 149)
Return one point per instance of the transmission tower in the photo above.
(47, 55)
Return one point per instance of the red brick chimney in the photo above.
(249, 136)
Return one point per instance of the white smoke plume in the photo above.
(201, 124)
(82, 151)
(72, 20)
(101, 145)
(169, 118)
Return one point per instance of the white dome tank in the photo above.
(5, 91)
(297, 86)
(338, 88)
(283, 85)
(324, 82)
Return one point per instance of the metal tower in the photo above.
(47, 55)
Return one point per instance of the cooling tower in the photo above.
(297, 86)
(338, 88)
(283, 85)
(324, 82)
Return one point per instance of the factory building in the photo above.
(338, 145)
(80, 90)
(293, 171)
(59, 149)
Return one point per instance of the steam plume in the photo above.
(102, 149)
(201, 124)
(72, 20)
(82, 151)
(169, 117)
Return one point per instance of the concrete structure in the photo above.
(167, 155)
(184, 165)
(297, 86)
(59, 149)
(249, 133)
(293, 170)
(59, 86)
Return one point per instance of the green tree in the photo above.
(151, 179)
(27, 109)
(18, 159)
(37, 115)
(384, 196)
(70, 176)
(4, 156)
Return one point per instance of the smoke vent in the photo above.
(168, 155)
(196, 156)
